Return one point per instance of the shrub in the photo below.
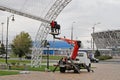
(97, 53)
(13, 63)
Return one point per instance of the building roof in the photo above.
(107, 39)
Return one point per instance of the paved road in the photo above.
(102, 71)
(111, 61)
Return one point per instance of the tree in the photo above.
(21, 44)
(2, 48)
(97, 53)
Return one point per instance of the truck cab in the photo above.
(82, 58)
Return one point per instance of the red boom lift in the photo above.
(68, 63)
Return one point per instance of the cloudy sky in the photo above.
(81, 14)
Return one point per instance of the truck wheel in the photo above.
(62, 69)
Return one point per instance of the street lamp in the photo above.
(2, 31)
(71, 35)
(93, 33)
(72, 31)
(8, 18)
(48, 45)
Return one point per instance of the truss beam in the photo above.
(24, 14)
(44, 29)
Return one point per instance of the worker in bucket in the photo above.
(52, 24)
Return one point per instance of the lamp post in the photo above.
(93, 33)
(72, 31)
(8, 18)
(71, 35)
(2, 31)
(93, 37)
(0, 47)
(48, 45)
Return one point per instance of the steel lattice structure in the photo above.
(43, 31)
(107, 39)
(47, 15)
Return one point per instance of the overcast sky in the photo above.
(81, 14)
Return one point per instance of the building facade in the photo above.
(108, 40)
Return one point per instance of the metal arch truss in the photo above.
(23, 14)
(44, 29)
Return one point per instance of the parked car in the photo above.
(93, 59)
(27, 57)
(4, 56)
(0, 56)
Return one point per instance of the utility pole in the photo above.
(2, 31)
(93, 36)
(71, 36)
(72, 32)
(48, 46)
(7, 35)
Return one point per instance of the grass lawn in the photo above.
(15, 61)
(104, 57)
(22, 68)
(42, 68)
(21, 65)
(3, 73)
(29, 61)
(52, 57)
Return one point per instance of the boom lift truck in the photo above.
(75, 61)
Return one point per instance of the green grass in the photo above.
(20, 64)
(3, 73)
(2, 60)
(28, 61)
(42, 68)
(12, 61)
(104, 57)
(52, 57)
